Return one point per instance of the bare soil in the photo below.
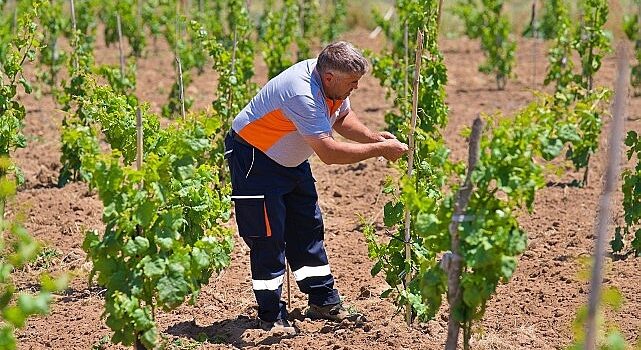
(533, 311)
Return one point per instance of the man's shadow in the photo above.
(229, 331)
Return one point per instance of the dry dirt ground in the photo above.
(533, 311)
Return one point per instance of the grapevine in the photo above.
(310, 27)
(630, 231)
(16, 308)
(163, 238)
(633, 32)
(431, 164)
(21, 48)
(493, 29)
(280, 28)
(79, 135)
(131, 26)
(393, 69)
(233, 60)
(52, 58)
(335, 23)
(561, 65)
(591, 43)
(548, 27)
(190, 54)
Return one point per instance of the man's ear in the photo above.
(328, 76)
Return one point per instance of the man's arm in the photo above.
(353, 129)
(331, 151)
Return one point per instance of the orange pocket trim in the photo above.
(267, 226)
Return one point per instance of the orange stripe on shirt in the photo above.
(333, 106)
(264, 132)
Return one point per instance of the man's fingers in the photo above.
(396, 149)
(387, 135)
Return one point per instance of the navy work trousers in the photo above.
(278, 216)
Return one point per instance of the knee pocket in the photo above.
(253, 215)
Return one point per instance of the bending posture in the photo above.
(275, 197)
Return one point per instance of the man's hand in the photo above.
(331, 151)
(393, 149)
(382, 136)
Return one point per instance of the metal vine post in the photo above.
(611, 176)
(454, 267)
(410, 167)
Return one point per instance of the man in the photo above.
(275, 198)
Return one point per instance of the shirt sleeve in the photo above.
(344, 109)
(309, 118)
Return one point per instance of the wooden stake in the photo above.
(638, 42)
(139, 14)
(233, 52)
(73, 27)
(139, 139)
(611, 177)
(73, 16)
(454, 266)
(230, 96)
(534, 36)
(15, 17)
(410, 167)
(438, 16)
(586, 174)
(181, 91)
(301, 17)
(289, 286)
(407, 60)
(139, 153)
(181, 88)
(54, 57)
(122, 55)
(378, 29)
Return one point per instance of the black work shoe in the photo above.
(336, 313)
(283, 327)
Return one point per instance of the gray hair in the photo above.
(343, 57)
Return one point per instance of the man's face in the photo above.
(338, 85)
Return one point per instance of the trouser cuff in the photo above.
(330, 298)
(273, 315)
